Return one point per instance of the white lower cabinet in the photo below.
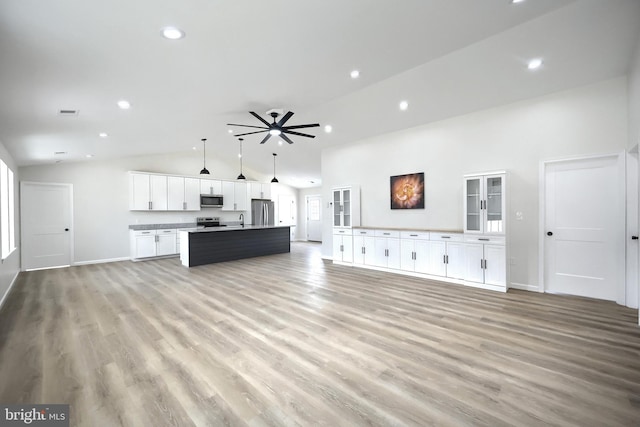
(152, 243)
(343, 245)
(387, 249)
(446, 255)
(474, 260)
(486, 261)
(414, 251)
(363, 247)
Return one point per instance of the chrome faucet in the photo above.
(242, 220)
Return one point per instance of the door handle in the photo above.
(549, 233)
(66, 229)
(634, 237)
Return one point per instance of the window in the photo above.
(7, 211)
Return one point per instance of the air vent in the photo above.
(59, 153)
(66, 112)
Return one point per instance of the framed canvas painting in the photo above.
(407, 191)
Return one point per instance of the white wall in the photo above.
(101, 198)
(10, 267)
(515, 137)
(634, 97)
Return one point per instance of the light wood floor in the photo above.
(292, 340)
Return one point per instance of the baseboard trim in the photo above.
(6, 294)
(101, 261)
(523, 287)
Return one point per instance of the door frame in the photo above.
(71, 219)
(621, 162)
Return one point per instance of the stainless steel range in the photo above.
(205, 221)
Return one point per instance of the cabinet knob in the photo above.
(634, 237)
(549, 233)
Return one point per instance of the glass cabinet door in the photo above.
(494, 204)
(336, 208)
(473, 215)
(346, 208)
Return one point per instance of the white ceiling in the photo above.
(445, 58)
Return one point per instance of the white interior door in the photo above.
(314, 218)
(584, 228)
(46, 220)
(287, 212)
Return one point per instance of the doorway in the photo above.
(45, 223)
(287, 212)
(314, 218)
(583, 227)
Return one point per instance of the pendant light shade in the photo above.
(241, 176)
(204, 170)
(274, 168)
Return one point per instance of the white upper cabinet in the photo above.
(211, 187)
(235, 196)
(485, 203)
(147, 192)
(183, 194)
(260, 190)
(346, 206)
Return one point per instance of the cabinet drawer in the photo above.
(496, 240)
(416, 235)
(144, 232)
(342, 231)
(387, 233)
(359, 232)
(167, 231)
(446, 237)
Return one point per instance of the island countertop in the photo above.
(231, 228)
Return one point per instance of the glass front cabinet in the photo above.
(346, 207)
(484, 203)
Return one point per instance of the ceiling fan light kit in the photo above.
(276, 128)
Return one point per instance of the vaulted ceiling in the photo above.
(445, 58)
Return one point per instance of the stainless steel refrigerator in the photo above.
(262, 212)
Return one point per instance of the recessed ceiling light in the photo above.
(124, 104)
(328, 128)
(103, 135)
(280, 142)
(89, 156)
(172, 33)
(193, 148)
(355, 74)
(230, 131)
(516, 1)
(404, 105)
(534, 64)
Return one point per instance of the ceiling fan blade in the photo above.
(284, 118)
(266, 138)
(298, 133)
(260, 118)
(286, 138)
(314, 125)
(246, 126)
(251, 133)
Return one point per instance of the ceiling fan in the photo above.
(276, 129)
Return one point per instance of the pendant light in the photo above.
(241, 176)
(274, 168)
(204, 170)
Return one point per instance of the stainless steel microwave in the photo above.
(210, 201)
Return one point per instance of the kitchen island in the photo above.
(219, 244)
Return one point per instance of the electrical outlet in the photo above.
(519, 216)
